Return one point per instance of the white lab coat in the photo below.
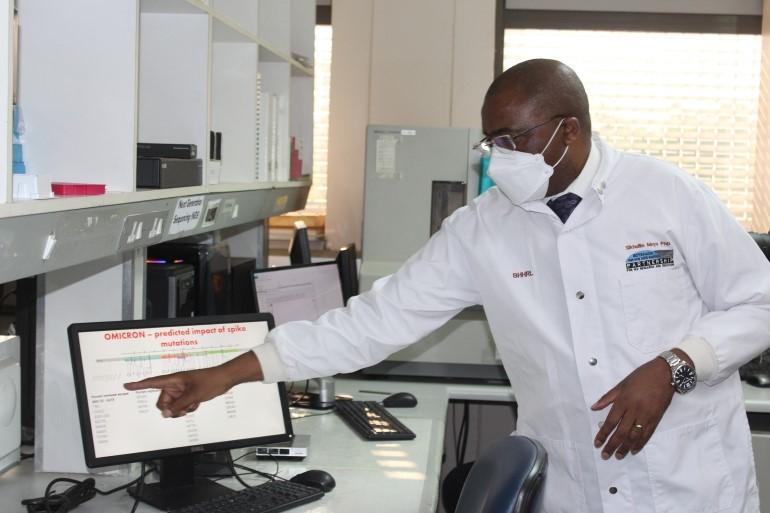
(559, 295)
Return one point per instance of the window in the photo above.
(689, 98)
(316, 200)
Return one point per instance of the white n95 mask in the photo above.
(522, 176)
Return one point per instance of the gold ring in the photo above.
(638, 427)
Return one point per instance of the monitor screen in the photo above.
(119, 426)
(298, 293)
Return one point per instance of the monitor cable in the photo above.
(77, 494)
(237, 476)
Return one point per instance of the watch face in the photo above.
(684, 378)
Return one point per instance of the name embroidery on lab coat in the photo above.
(523, 274)
(650, 259)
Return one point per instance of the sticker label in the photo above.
(187, 214)
(210, 217)
(385, 158)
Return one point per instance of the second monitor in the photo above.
(301, 293)
(298, 293)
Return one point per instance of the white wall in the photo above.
(399, 62)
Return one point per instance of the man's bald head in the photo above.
(550, 87)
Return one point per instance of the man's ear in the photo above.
(572, 130)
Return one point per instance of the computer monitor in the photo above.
(301, 293)
(298, 293)
(348, 267)
(119, 426)
(299, 247)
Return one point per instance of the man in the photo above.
(589, 263)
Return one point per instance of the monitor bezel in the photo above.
(290, 268)
(81, 395)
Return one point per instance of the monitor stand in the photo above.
(178, 487)
(213, 464)
(319, 397)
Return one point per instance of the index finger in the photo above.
(157, 382)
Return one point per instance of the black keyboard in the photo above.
(371, 420)
(269, 497)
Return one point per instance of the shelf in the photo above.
(226, 30)
(269, 54)
(63, 204)
(94, 227)
(173, 6)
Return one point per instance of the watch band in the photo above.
(675, 363)
(671, 358)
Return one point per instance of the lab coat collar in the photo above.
(608, 159)
(593, 197)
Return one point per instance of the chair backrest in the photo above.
(507, 478)
(763, 241)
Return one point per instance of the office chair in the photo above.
(763, 241)
(507, 478)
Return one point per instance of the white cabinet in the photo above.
(97, 77)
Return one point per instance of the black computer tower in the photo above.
(211, 262)
(170, 290)
(242, 285)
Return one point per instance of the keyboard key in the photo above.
(270, 497)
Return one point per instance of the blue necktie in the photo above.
(564, 205)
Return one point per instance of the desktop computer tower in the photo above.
(170, 290)
(242, 285)
(211, 263)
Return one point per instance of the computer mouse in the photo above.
(317, 479)
(400, 400)
(758, 379)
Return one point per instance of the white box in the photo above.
(10, 402)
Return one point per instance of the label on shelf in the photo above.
(187, 214)
(211, 213)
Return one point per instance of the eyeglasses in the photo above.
(507, 142)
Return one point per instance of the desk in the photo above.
(384, 477)
(380, 477)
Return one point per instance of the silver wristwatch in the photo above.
(683, 377)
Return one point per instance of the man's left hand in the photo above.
(638, 403)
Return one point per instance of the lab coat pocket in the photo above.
(654, 307)
(688, 470)
(563, 483)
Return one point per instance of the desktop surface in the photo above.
(389, 477)
(379, 477)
